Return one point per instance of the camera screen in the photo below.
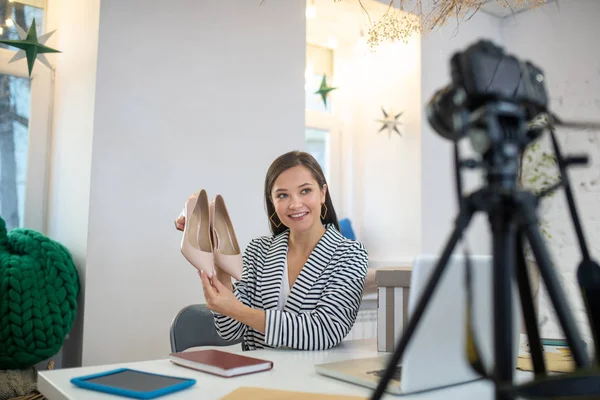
(499, 76)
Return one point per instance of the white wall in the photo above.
(399, 191)
(386, 178)
(559, 40)
(71, 149)
(438, 193)
(562, 41)
(189, 95)
(378, 175)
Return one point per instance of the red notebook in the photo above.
(220, 363)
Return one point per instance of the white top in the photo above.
(285, 287)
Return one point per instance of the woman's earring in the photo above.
(273, 222)
(324, 213)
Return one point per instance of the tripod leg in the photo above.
(588, 272)
(555, 292)
(462, 221)
(504, 235)
(529, 316)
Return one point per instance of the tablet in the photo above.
(132, 383)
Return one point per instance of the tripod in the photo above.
(512, 217)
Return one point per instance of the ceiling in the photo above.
(493, 7)
(344, 19)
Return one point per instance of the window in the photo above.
(24, 123)
(15, 93)
(317, 145)
(21, 12)
(321, 122)
(319, 63)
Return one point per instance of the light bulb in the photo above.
(332, 42)
(308, 72)
(9, 22)
(311, 10)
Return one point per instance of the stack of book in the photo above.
(557, 357)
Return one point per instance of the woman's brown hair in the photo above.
(283, 163)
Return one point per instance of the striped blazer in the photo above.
(322, 304)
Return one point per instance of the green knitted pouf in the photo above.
(38, 297)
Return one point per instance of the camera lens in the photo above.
(440, 113)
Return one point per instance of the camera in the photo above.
(484, 75)
(501, 104)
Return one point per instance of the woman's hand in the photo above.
(370, 282)
(219, 298)
(180, 222)
(224, 278)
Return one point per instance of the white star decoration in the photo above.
(390, 122)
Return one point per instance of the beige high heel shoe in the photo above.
(226, 250)
(196, 244)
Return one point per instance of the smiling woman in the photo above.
(296, 195)
(302, 286)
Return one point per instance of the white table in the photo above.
(292, 370)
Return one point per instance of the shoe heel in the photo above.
(226, 250)
(196, 244)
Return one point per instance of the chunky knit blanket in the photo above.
(38, 297)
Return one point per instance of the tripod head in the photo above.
(491, 100)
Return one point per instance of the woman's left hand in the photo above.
(218, 298)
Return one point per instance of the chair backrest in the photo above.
(346, 229)
(194, 326)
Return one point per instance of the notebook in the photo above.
(220, 363)
(251, 393)
(555, 362)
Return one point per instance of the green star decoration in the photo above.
(324, 90)
(31, 46)
(389, 122)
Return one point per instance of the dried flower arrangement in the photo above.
(401, 22)
(539, 169)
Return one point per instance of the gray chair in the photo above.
(194, 326)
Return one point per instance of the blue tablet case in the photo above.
(83, 382)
